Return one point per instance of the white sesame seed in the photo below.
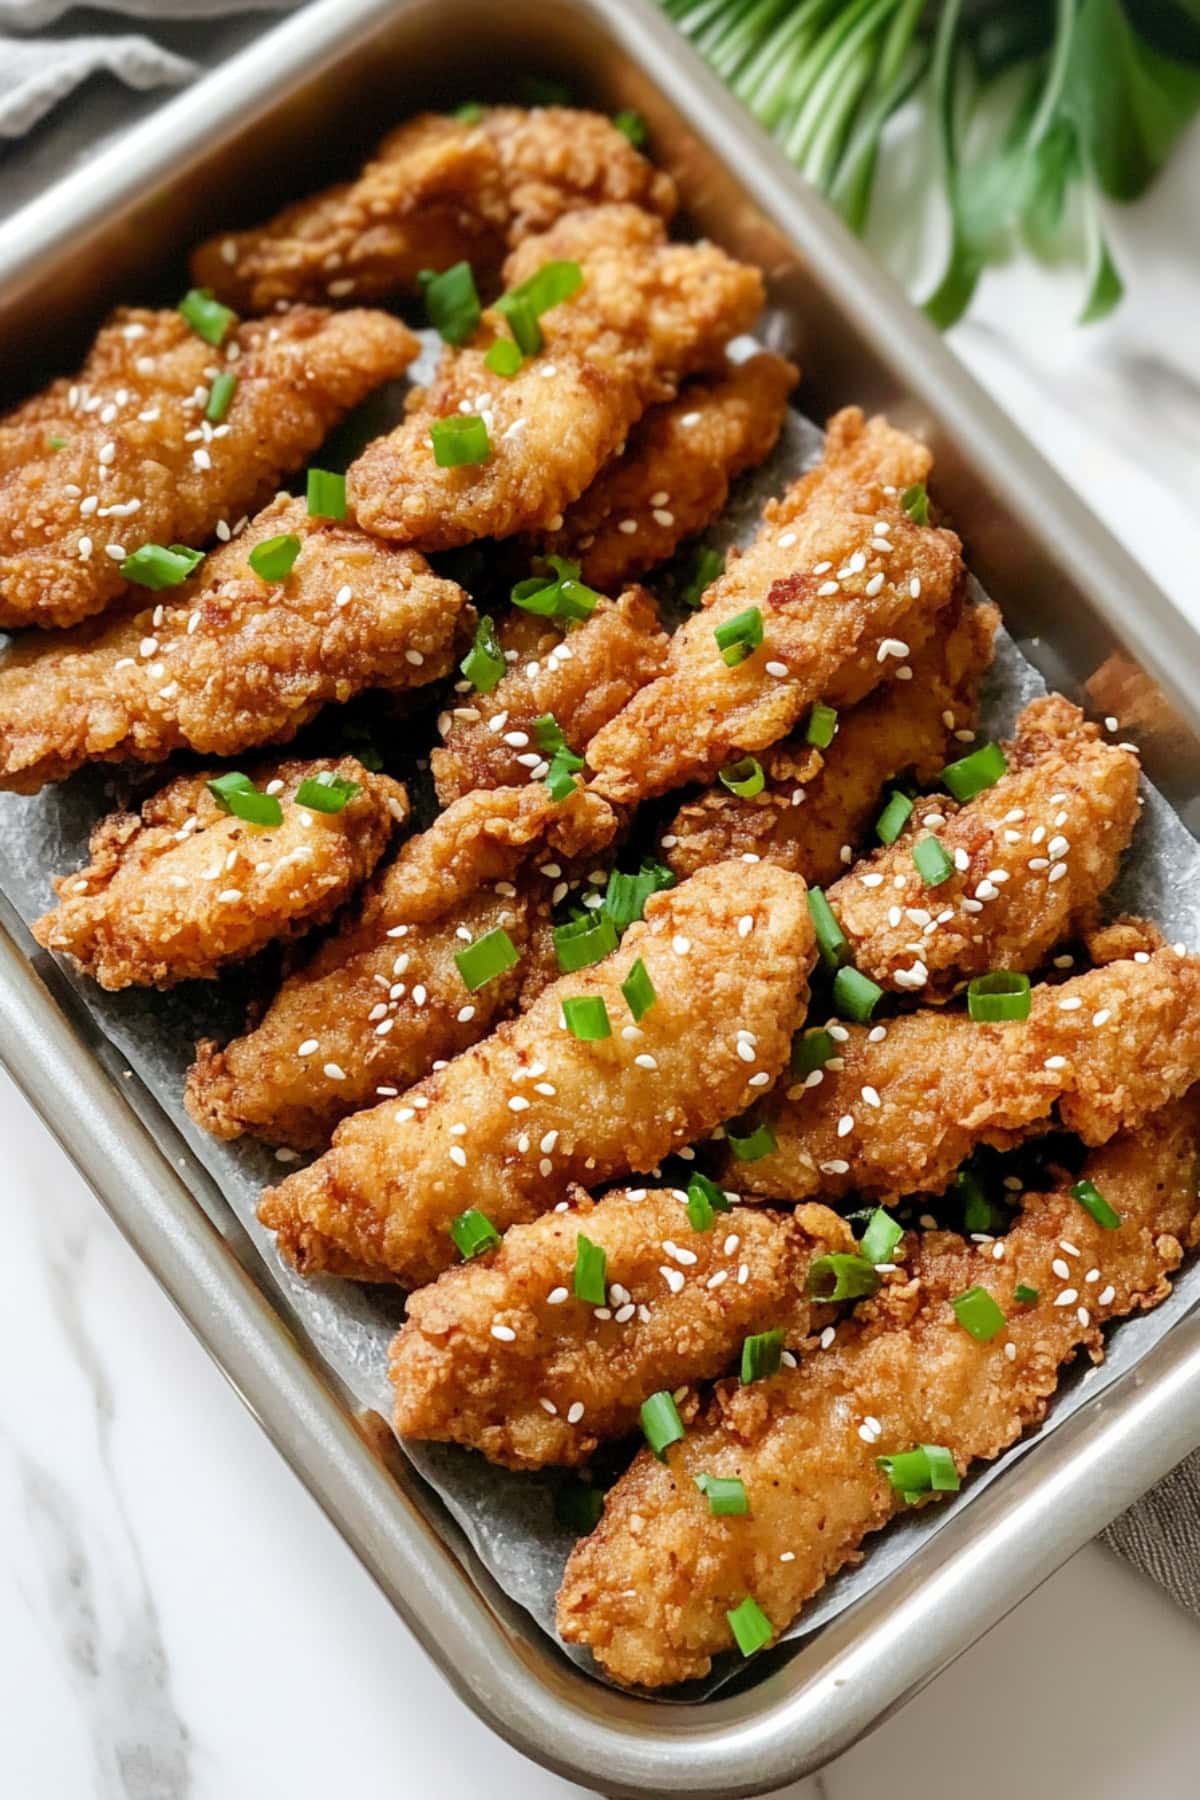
(1106, 1296)
(672, 1277)
(681, 945)
(575, 1412)
(504, 1333)
(1061, 1268)
(518, 1103)
(458, 1155)
(1055, 1062)
(775, 668)
(1010, 1351)
(334, 1072)
(870, 1096)
(845, 1125)
(1068, 1297)
(644, 1060)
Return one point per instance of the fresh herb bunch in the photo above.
(1104, 88)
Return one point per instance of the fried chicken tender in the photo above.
(176, 893)
(1032, 855)
(680, 1303)
(137, 463)
(649, 1591)
(531, 1108)
(234, 660)
(843, 581)
(648, 315)
(1096, 1055)
(815, 802)
(437, 191)
(673, 476)
(383, 999)
(582, 679)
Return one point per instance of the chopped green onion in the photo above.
(831, 939)
(489, 956)
(638, 990)
(326, 494)
(522, 322)
(275, 557)
(761, 1355)
(893, 818)
(915, 502)
(750, 1626)
(929, 1468)
(235, 793)
(484, 664)
(661, 1422)
(933, 864)
(632, 125)
(473, 1233)
(452, 303)
(738, 637)
(1025, 1294)
(587, 1018)
(206, 316)
(469, 113)
(842, 1275)
(548, 734)
(811, 1050)
(504, 357)
(704, 1201)
(219, 396)
(972, 774)
(578, 1506)
(855, 995)
(744, 778)
(560, 776)
(562, 596)
(977, 1208)
(591, 1264)
(822, 725)
(57, 443)
(1000, 995)
(548, 286)
(326, 792)
(881, 1236)
(155, 567)
(581, 942)
(459, 440)
(625, 896)
(759, 1143)
(706, 565)
(978, 1314)
(726, 1495)
(1093, 1202)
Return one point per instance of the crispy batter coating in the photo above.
(680, 1303)
(186, 887)
(531, 1107)
(232, 660)
(582, 678)
(1096, 1055)
(437, 190)
(673, 476)
(138, 462)
(383, 1000)
(1032, 855)
(648, 315)
(844, 581)
(816, 802)
(650, 1589)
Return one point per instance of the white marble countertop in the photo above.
(177, 1619)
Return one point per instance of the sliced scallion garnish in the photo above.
(460, 440)
(842, 1275)
(581, 942)
(831, 939)
(484, 664)
(726, 1495)
(822, 726)
(638, 990)
(705, 567)
(893, 818)
(504, 357)
(933, 864)
(880, 1238)
(704, 1201)
(155, 566)
(452, 303)
(235, 793)
(206, 316)
(915, 502)
(587, 1018)
(978, 1314)
(999, 996)
(811, 1050)
(489, 956)
(855, 995)
(326, 494)
(326, 792)
(739, 637)
(591, 1265)
(972, 774)
(220, 396)
(274, 558)
(929, 1469)
(744, 778)
(752, 1146)
(625, 896)
(761, 1355)
(751, 1628)
(1093, 1202)
(661, 1423)
(473, 1233)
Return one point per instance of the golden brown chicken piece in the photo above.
(438, 190)
(673, 476)
(532, 1107)
(123, 455)
(648, 315)
(230, 660)
(175, 893)
(910, 1099)
(383, 999)
(816, 804)
(500, 1355)
(649, 1591)
(581, 679)
(1031, 857)
(845, 587)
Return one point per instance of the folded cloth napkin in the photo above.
(38, 71)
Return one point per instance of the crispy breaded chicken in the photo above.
(816, 804)
(581, 678)
(532, 1107)
(561, 1375)
(1031, 857)
(438, 190)
(383, 1000)
(648, 315)
(911, 1099)
(843, 581)
(136, 461)
(175, 893)
(232, 660)
(649, 1591)
(673, 476)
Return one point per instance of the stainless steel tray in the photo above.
(300, 105)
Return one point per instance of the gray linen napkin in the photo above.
(1160, 1536)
